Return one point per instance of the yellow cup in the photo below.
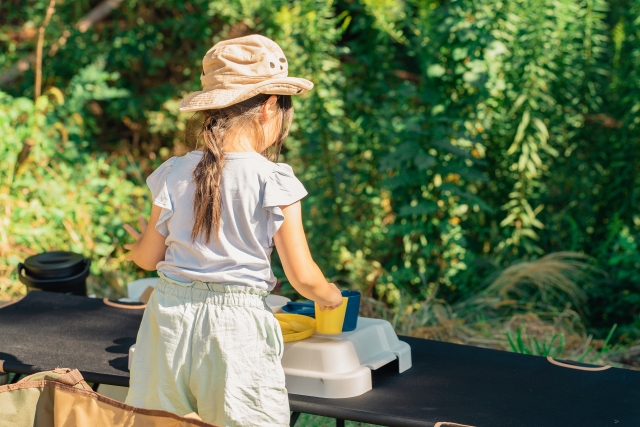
(330, 321)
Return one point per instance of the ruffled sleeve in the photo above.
(157, 183)
(282, 188)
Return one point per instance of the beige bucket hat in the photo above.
(238, 69)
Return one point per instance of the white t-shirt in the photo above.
(252, 188)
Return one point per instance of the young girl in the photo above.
(208, 343)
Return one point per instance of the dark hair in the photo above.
(214, 128)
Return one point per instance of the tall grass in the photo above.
(532, 307)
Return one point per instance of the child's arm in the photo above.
(149, 248)
(301, 270)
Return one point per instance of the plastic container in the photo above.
(377, 344)
(63, 272)
(331, 321)
(339, 366)
(323, 367)
(353, 309)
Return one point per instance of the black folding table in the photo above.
(448, 383)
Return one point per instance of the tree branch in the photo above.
(96, 14)
(38, 84)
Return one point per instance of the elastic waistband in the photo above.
(213, 293)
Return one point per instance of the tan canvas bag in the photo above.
(62, 398)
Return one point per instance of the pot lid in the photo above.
(53, 265)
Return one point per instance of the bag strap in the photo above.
(580, 368)
(125, 306)
(71, 377)
(448, 424)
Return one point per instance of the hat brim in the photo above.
(221, 98)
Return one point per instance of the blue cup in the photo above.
(353, 308)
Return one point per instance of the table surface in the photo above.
(486, 388)
(447, 383)
(46, 330)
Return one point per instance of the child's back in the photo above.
(252, 188)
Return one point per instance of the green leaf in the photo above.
(539, 124)
(524, 123)
(435, 70)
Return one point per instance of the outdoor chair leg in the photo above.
(294, 418)
(16, 378)
(339, 423)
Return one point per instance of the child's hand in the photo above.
(336, 300)
(137, 236)
(150, 246)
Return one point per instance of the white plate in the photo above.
(276, 302)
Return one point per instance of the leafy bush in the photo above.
(58, 195)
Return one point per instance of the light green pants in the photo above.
(210, 349)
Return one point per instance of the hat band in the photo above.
(227, 81)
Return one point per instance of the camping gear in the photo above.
(305, 308)
(463, 386)
(339, 366)
(446, 383)
(61, 397)
(295, 327)
(238, 69)
(64, 272)
(330, 321)
(353, 309)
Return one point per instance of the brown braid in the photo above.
(216, 124)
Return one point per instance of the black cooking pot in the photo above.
(64, 272)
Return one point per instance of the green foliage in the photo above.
(443, 142)
(553, 347)
(307, 420)
(55, 193)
